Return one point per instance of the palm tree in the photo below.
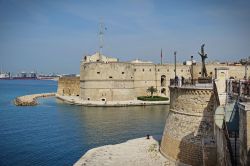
(151, 90)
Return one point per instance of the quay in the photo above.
(30, 100)
(75, 100)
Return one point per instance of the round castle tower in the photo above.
(188, 136)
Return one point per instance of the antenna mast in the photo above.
(101, 34)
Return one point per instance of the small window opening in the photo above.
(98, 72)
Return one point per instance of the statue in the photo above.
(203, 57)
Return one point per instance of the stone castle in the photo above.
(104, 78)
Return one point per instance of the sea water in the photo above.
(56, 133)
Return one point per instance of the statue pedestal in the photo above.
(205, 80)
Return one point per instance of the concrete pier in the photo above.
(30, 100)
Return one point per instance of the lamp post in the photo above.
(192, 71)
(175, 79)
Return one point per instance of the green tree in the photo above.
(151, 90)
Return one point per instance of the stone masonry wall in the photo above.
(69, 86)
(189, 122)
(244, 133)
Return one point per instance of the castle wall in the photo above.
(69, 86)
(144, 77)
(107, 81)
(126, 81)
(237, 72)
(189, 126)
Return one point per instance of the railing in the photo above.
(241, 87)
(190, 82)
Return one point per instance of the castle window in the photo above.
(163, 80)
(142, 69)
(88, 98)
(211, 73)
(158, 69)
(110, 77)
(122, 72)
(98, 72)
(134, 69)
(181, 70)
(168, 70)
(149, 69)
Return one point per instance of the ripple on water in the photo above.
(54, 133)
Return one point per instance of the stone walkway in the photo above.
(77, 101)
(30, 100)
(136, 152)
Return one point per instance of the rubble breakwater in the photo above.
(30, 100)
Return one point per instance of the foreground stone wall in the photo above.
(244, 133)
(188, 133)
(69, 86)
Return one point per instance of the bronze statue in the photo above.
(203, 57)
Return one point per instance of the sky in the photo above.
(54, 35)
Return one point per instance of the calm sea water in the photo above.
(54, 133)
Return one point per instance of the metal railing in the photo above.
(242, 87)
(191, 82)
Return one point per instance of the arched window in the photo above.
(163, 80)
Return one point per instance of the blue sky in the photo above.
(54, 35)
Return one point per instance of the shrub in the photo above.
(154, 98)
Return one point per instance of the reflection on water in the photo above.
(55, 133)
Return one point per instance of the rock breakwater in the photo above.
(30, 100)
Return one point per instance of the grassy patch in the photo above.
(154, 98)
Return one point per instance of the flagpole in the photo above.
(161, 56)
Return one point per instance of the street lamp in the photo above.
(192, 71)
(175, 79)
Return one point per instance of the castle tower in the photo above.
(188, 137)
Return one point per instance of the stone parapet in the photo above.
(189, 126)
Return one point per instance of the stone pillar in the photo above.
(244, 133)
(189, 126)
(221, 77)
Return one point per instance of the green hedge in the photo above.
(154, 98)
